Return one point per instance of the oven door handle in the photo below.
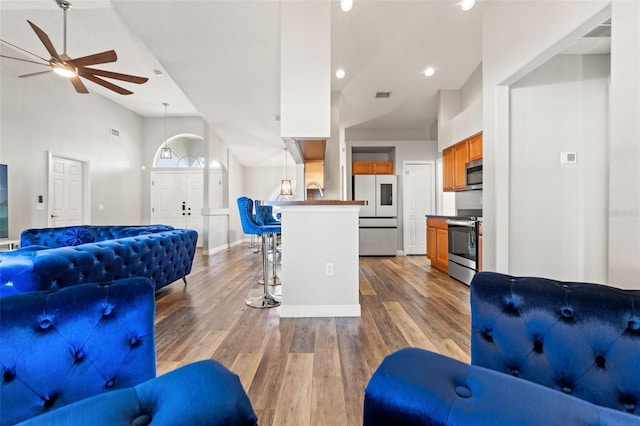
(467, 223)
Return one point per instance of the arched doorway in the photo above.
(177, 183)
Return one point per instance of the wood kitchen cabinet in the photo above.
(448, 169)
(438, 243)
(475, 147)
(372, 168)
(460, 159)
(455, 159)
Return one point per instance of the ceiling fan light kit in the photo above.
(66, 66)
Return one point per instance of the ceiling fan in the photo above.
(74, 68)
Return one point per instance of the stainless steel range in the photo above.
(463, 248)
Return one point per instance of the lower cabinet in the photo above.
(438, 243)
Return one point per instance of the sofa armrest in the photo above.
(202, 393)
(416, 387)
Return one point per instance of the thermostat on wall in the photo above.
(568, 158)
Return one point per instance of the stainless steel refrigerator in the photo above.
(379, 216)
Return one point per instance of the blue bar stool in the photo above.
(264, 217)
(251, 227)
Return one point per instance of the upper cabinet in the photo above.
(475, 147)
(372, 167)
(455, 159)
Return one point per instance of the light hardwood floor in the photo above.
(308, 371)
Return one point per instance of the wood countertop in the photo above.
(312, 202)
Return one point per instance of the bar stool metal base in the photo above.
(272, 281)
(262, 301)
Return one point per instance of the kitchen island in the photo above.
(319, 258)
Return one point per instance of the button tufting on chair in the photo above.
(141, 420)
(49, 401)
(567, 312)
(109, 383)
(45, 324)
(600, 361)
(9, 374)
(463, 391)
(537, 346)
(78, 354)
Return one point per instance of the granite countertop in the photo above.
(320, 202)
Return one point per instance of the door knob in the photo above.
(53, 215)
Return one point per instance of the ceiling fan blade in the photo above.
(78, 85)
(106, 84)
(24, 60)
(44, 38)
(96, 58)
(115, 75)
(35, 73)
(25, 51)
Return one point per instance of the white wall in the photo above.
(260, 182)
(518, 37)
(558, 227)
(45, 113)
(623, 210)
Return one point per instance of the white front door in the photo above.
(419, 201)
(177, 200)
(66, 196)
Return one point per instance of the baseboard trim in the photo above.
(218, 249)
(314, 311)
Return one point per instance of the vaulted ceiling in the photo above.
(220, 59)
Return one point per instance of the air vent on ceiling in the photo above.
(115, 132)
(382, 95)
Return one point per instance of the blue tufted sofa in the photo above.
(73, 255)
(543, 352)
(85, 355)
(75, 235)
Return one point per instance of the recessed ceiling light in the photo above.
(467, 4)
(346, 5)
(429, 71)
(340, 73)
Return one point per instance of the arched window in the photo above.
(187, 151)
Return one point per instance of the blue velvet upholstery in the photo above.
(417, 387)
(60, 237)
(164, 257)
(85, 355)
(202, 393)
(249, 224)
(62, 346)
(543, 352)
(264, 214)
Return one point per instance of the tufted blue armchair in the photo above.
(543, 352)
(85, 354)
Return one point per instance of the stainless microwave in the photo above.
(474, 174)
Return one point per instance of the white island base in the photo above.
(320, 269)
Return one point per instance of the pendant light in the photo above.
(165, 152)
(285, 184)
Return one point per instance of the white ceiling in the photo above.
(221, 59)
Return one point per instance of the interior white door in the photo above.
(67, 192)
(177, 200)
(419, 201)
(195, 200)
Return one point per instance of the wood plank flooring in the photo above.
(308, 371)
